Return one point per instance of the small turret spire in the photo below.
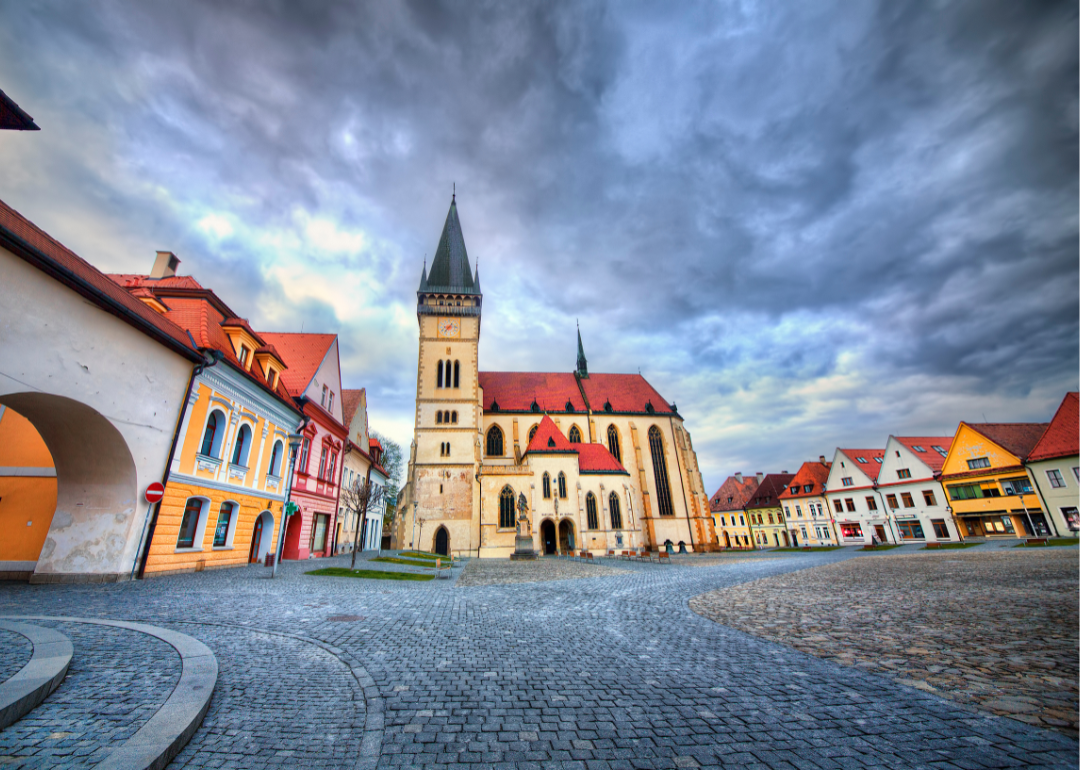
(582, 365)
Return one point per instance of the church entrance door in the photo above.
(566, 536)
(547, 536)
(442, 542)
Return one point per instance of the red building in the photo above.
(313, 379)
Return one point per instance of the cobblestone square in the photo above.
(548, 664)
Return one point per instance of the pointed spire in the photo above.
(450, 270)
(423, 277)
(582, 364)
(476, 277)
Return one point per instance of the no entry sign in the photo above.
(155, 492)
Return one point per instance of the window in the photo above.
(1076, 472)
(789, 510)
(663, 492)
(903, 473)
(322, 463)
(850, 504)
(850, 530)
(275, 459)
(1016, 486)
(305, 451)
(439, 375)
(575, 435)
(562, 485)
(928, 497)
(330, 402)
(978, 462)
(453, 418)
(779, 518)
(861, 459)
(189, 524)
(871, 503)
(910, 530)
(532, 432)
(325, 390)
(507, 514)
(495, 441)
(215, 427)
(244, 353)
(918, 448)
(546, 485)
(941, 532)
(1072, 518)
(330, 475)
(839, 506)
(940, 450)
(457, 374)
(908, 502)
(891, 498)
(964, 491)
(613, 509)
(1056, 481)
(438, 418)
(242, 446)
(592, 520)
(770, 517)
(808, 488)
(877, 460)
(613, 443)
(224, 519)
(846, 481)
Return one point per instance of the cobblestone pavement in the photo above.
(486, 572)
(611, 671)
(15, 652)
(997, 629)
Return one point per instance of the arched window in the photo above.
(215, 428)
(495, 441)
(659, 464)
(189, 524)
(532, 432)
(547, 486)
(275, 459)
(457, 374)
(613, 442)
(438, 418)
(449, 370)
(592, 520)
(562, 485)
(507, 516)
(439, 380)
(242, 446)
(613, 509)
(575, 435)
(453, 417)
(224, 520)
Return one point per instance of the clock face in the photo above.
(449, 328)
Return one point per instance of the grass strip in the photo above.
(410, 562)
(369, 574)
(949, 546)
(1054, 541)
(422, 555)
(811, 548)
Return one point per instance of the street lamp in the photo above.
(415, 505)
(287, 506)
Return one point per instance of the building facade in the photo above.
(913, 495)
(473, 430)
(808, 513)
(861, 517)
(727, 507)
(1054, 467)
(363, 455)
(765, 514)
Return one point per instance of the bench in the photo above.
(933, 545)
(443, 568)
(1038, 541)
(611, 553)
(663, 557)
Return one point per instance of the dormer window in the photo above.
(243, 356)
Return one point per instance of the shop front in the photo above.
(851, 532)
(910, 529)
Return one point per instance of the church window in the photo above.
(616, 513)
(575, 435)
(547, 486)
(532, 432)
(457, 374)
(438, 418)
(447, 379)
(495, 441)
(438, 382)
(613, 442)
(211, 443)
(590, 512)
(507, 517)
(660, 474)
(562, 485)
(453, 417)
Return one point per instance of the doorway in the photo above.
(566, 536)
(879, 530)
(727, 540)
(547, 537)
(256, 541)
(442, 542)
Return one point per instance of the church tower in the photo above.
(446, 453)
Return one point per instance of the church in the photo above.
(603, 460)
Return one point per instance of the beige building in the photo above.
(616, 444)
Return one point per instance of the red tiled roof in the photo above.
(625, 393)
(871, 467)
(768, 492)
(1060, 439)
(738, 491)
(303, 353)
(133, 280)
(516, 391)
(930, 456)
(592, 458)
(13, 117)
(1019, 438)
(350, 400)
(373, 443)
(813, 474)
(61, 263)
(595, 458)
(548, 438)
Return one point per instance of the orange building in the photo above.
(27, 494)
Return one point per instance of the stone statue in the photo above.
(523, 544)
(523, 515)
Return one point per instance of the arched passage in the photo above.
(566, 536)
(97, 496)
(547, 537)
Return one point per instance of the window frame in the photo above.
(230, 527)
(493, 432)
(592, 517)
(507, 509)
(614, 442)
(615, 512)
(199, 534)
(240, 446)
(1056, 479)
(218, 439)
(657, 448)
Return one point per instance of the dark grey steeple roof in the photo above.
(582, 364)
(450, 272)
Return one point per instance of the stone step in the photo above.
(43, 673)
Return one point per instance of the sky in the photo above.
(809, 225)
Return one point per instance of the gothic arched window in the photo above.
(613, 442)
(438, 381)
(453, 417)
(438, 418)
(507, 517)
(575, 435)
(659, 464)
(592, 520)
(495, 441)
(547, 486)
(457, 374)
(613, 509)
(532, 432)
(562, 485)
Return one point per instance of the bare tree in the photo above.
(358, 499)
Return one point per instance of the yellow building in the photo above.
(226, 484)
(768, 529)
(987, 485)
(809, 517)
(727, 504)
(27, 495)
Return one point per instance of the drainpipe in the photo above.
(210, 358)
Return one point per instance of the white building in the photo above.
(860, 514)
(912, 494)
(1054, 466)
(363, 457)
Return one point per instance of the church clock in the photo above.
(448, 327)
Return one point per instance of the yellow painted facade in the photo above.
(27, 491)
(733, 529)
(769, 527)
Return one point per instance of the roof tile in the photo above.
(1060, 438)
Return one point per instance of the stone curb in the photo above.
(43, 673)
(155, 744)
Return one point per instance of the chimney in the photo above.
(738, 476)
(760, 476)
(165, 265)
(783, 471)
(821, 459)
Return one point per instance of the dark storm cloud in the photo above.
(763, 205)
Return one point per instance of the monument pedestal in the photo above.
(523, 549)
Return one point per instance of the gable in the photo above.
(969, 447)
